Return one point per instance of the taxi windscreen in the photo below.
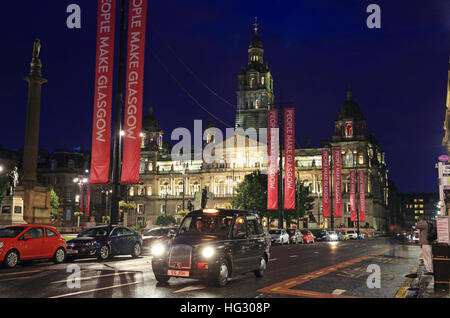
(206, 225)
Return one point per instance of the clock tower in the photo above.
(255, 88)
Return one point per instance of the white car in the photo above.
(352, 235)
(279, 236)
(331, 236)
(415, 237)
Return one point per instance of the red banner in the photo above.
(352, 195)
(362, 197)
(272, 150)
(289, 165)
(337, 177)
(101, 132)
(137, 23)
(87, 200)
(326, 183)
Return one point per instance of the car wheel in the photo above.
(220, 278)
(162, 278)
(103, 254)
(11, 259)
(137, 250)
(60, 256)
(262, 267)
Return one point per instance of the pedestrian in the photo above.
(422, 226)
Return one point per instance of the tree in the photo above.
(251, 194)
(54, 204)
(304, 203)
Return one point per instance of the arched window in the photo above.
(349, 158)
(262, 80)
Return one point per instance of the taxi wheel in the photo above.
(262, 267)
(220, 278)
(60, 256)
(137, 250)
(162, 278)
(103, 253)
(11, 259)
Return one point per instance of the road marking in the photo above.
(19, 273)
(282, 287)
(272, 259)
(403, 290)
(189, 288)
(92, 277)
(338, 291)
(293, 256)
(96, 289)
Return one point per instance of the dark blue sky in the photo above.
(315, 49)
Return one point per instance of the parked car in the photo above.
(308, 237)
(213, 245)
(161, 234)
(31, 242)
(352, 235)
(295, 236)
(339, 235)
(361, 236)
(345, 236)
(268, 238)
(415, 237)
(104, 242)
(331, 236)
(279, 236)
(320, 236)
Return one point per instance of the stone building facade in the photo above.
(166, 185)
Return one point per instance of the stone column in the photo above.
(31, 144)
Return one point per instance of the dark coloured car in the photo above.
(104, 242)
(213, 245)
(153, 236)
(321, 236)
(295, 236)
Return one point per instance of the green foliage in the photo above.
(78, 213)
(137, 228)
(54, 203)
(165, 219)
(127, 206)
(304, 203)
(251, 194)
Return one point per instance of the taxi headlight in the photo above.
(208, 252)
(158, 249)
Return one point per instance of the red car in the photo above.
(30, 242)
(308, 237)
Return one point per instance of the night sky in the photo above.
(315, 50)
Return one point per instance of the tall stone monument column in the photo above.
(36, 198)
(31, 145)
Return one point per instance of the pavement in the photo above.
(422, 286)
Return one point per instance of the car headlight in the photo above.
(208, 252)
(158, 249)
(1, 244)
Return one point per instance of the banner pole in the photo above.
(115, 197)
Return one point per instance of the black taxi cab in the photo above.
(213, 245)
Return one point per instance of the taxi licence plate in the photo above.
(173, 272)
(69, 251)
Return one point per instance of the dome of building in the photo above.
(350, 109)
(150, 123)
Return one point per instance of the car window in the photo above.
(126, 231)
(239, 227)
(116, 232)
(10, 232)
(253, 226)
(94, 232)
(37, 232)
(50, 233)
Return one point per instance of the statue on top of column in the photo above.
(36, 49)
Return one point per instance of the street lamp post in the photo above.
(80, 180)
